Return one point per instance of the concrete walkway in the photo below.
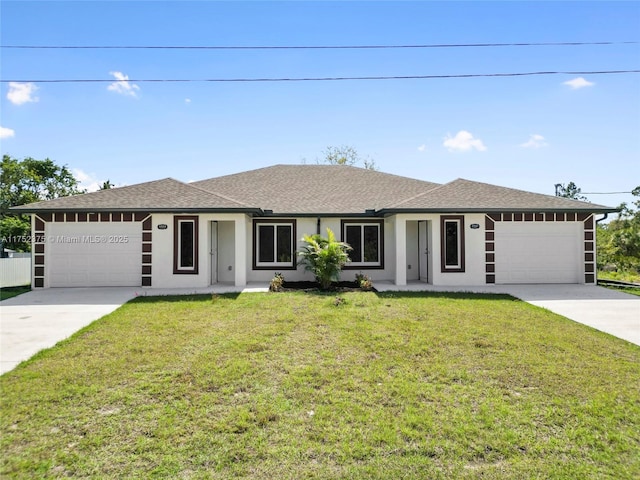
(39, 319)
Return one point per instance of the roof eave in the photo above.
(254, 211)
(394, 211)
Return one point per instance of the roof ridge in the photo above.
(421, 194)
(215, 194)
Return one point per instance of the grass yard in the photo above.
(9, 292)
(298, 385)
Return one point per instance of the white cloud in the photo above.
(123, 86)
(463, 142)
(187, 100)
(20, 93)
(422, 148)
(535, 141)
(7, 132)
(579, 82)
(87, 180)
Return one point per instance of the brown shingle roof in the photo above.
(165, 194)
(466, 195)
(313, 190)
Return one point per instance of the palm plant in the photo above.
(324, 257)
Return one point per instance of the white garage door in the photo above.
(94, 254)
(538, 252)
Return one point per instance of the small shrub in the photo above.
(276, 283)
(364, 282)
(324, 257)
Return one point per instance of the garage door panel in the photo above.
(538, 252)
(94, 254)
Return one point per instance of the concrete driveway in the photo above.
(41, 318)
(604, 309)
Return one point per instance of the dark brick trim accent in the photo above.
(589, 236)
(39, 248)
(589, 250)
(147, 237)
(490, 278)
(41, 219)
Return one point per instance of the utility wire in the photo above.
(602, 193)
(316, 79)
(313, 47)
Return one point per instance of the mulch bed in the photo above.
(315, 286)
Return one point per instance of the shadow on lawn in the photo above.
(183, 298)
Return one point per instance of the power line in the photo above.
(314, 79)
(312, 47)
(602, 193)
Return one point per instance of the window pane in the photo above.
(354, 238)
(186, 244)
(284, 243)
(451, 244)
(371, 243)
(266, 237)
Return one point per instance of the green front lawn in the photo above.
(9, 292)
(298, 385)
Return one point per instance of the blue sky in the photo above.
(524, 132)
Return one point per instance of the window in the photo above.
(274, 244)
(452, 243)
(366, 241)
(185, 244)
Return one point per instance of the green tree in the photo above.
(570, 190)
(619, 240)
(26, 181)
(324, 257)
(107, 185)
(346, 155)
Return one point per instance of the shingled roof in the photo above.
(317, 189)
(468, 196)
(160, 195)
(313, 190)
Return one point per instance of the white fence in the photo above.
(15, 271)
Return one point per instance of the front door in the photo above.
(213, 252)
(423, 251)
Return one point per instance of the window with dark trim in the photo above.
(274, 244)
(452, 243)
(185, 244)
(366, 239)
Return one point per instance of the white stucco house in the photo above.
(245, 227)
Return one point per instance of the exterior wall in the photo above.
(228, 242)
(235, 247)
(309, 226)
(473, 273)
